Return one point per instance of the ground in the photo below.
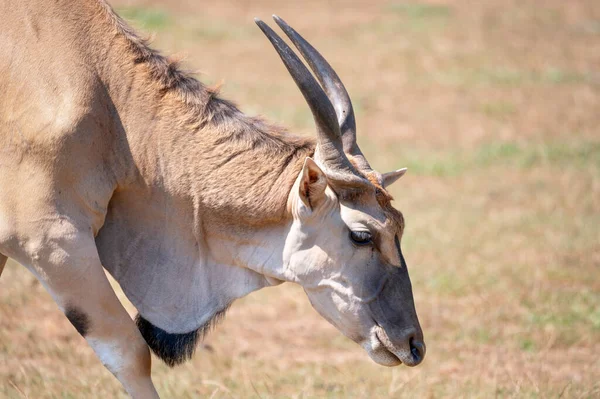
(494, 106)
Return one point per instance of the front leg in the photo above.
(67, 263)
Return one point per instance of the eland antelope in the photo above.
(113, 158)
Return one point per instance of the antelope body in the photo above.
(112, 157)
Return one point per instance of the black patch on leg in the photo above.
(80, 320)
(174, 349)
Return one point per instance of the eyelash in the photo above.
(361, 237)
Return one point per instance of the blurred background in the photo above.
(494, 107)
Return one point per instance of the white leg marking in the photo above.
(109, 354)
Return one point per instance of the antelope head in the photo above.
(343, 246)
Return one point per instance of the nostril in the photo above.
(417, 349)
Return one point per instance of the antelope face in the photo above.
(344, 244)
(344, 249)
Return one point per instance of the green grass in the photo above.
(221, 30)
(499, 110)
(417, 17)
(486, 76)
(420, 10)
(157, 19)
(146, 18)
(458, 162)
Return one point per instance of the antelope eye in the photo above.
(360, 237)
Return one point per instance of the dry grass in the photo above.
(494, 105)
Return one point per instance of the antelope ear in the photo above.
(312, 184)
(391, 177)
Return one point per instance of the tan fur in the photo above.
(384, 199)
(111, 155)
(256, 161)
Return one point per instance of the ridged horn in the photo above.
(330, 149)
(336, 92)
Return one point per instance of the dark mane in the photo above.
(264, 158)
(202, 102)
(165, 71)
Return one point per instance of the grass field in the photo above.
(495, 108)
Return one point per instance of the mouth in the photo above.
(383, 351)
